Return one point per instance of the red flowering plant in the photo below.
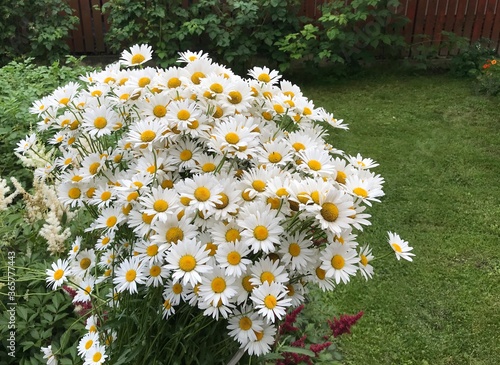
(489, 78)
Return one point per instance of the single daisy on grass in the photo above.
(400, 247)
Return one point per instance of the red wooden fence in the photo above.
(473, 19)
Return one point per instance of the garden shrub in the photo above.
(233, 32)
(22, 83)
(488, 81)
(347, 34)
(35, 29)
(469, 62)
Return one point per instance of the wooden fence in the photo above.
(473, 19)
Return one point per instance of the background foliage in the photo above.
(22, 83)
(35, 29)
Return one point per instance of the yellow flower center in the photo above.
(260, 233)
(267, 115)
(143, 81)
(232, 138)
(152, 250)
(183, 114)
(267, 276)
(111, 221)
(64, 101)
(364, 260)
(187, 263)
(264, 77)
(224, 201)
(88, 344)
(218, 285)
(97, 357)
(202, 194)
(320, 273)
(185, 200)
(274, 202)
(247, 284)
(232, 235)
(167, 305)
(186, 155)
(278, 108)
(307, 111)
(196, 76)
(147, 218)
(173, 83)
(148, 136)
(155, 271)
(259, 185)
(85, 263)
(360, 192)
(58, 274)
(105, 195)
(208, 167)
(212, 247)
(177, 288)
(294, 249)
(74, 193)
(96, 93)
(274, 157)
(235, 97)
(338, 262)
(100, 122)
(270, 301)
(329, 212)
(216, 88)
(397, 247)
(94, 167)
(132, 196)
(137, 58)
(218, 112)
(298, 146)
(130, 275)
(291, 290)
(341, 177)
(160, 205)
(245, 323)
(174, 234)
(282, 192)
(314, 165)
(233, 258)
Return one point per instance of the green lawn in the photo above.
(438, 146)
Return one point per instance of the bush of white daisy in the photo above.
(215, 204)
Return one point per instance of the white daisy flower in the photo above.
(400, 247)
(232, 257)
(162, 203)
(188, 260)
(136, 55)
(362, 163)
(128, 274)
(262, 230)
(270, 300)
(267, 270)
(339, 262)
(49, 355)
(265, 75)
(296, 252)
(217, 286)
(58, 274)
(96, 355)
(244, 324)
(89, 340)
(365, 256)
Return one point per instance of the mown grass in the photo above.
(438, 146)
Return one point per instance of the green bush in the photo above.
(347, 34)
(488, 80)
(233, 32)
(22, 83)
(35, 29)
(471, 59)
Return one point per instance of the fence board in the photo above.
(98, 26)
(479, 20)
(495, 32)
(489, 18)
